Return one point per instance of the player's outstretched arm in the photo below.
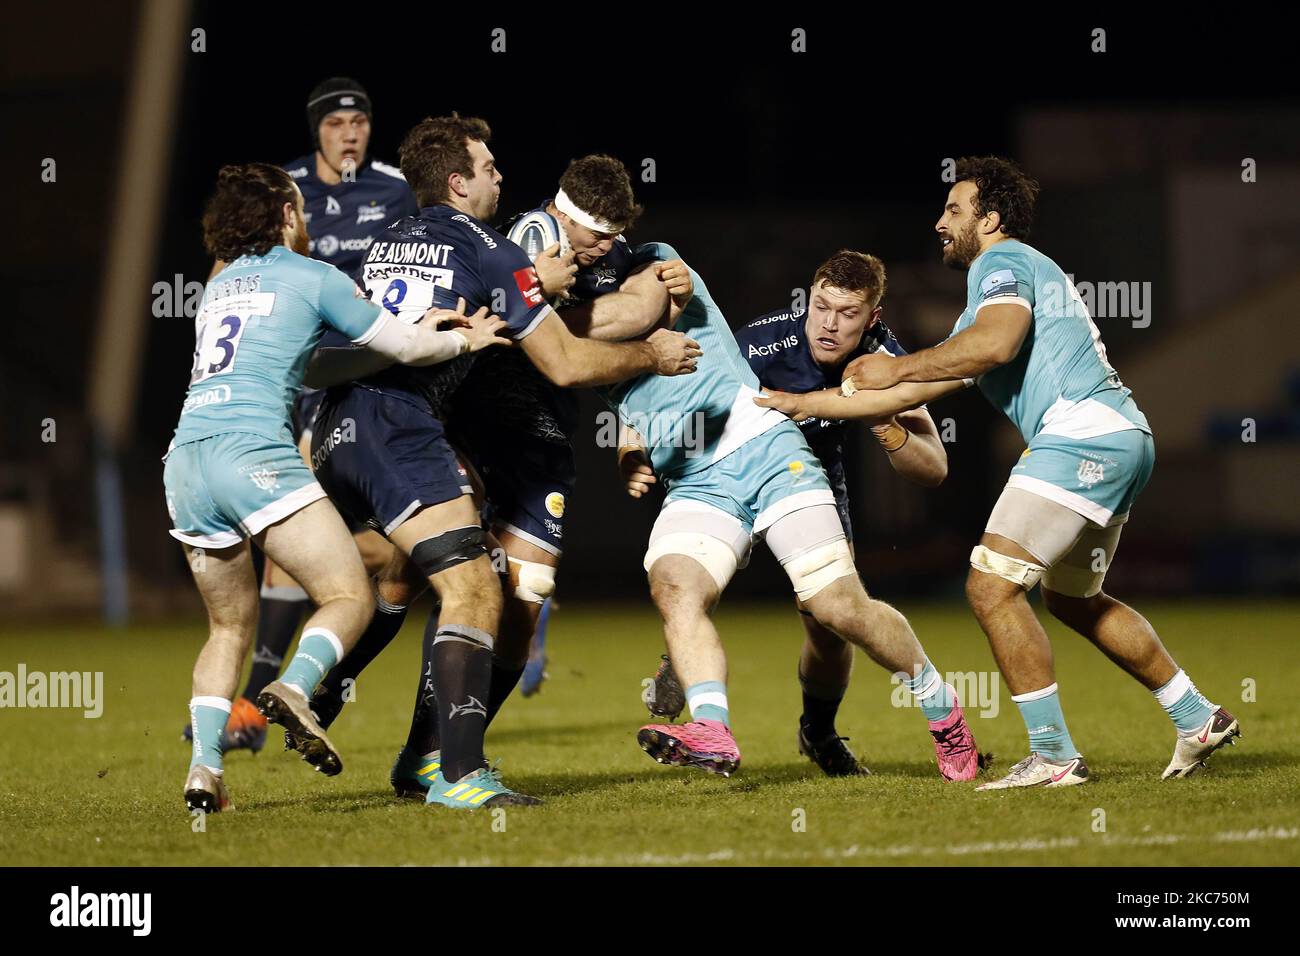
(877, 406)
(570, 361)
(640, 304)
(396, 342)
(993, 339)
(914, 447)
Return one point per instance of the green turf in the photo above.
(108, 791)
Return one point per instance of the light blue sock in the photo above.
(708, 700)
(318, 651)
(1185, 705)
(208, 716)
(935, 697)
(1048, 735)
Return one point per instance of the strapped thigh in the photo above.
(716, 540)
(1042, 527)
(1083, 569)
(811, 547)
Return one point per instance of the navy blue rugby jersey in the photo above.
(343, 219)
(776, 347)
(505, 389)
(434, 258)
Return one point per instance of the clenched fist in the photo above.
(675, 354)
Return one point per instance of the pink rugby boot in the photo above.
(954, 745)
(706, 744)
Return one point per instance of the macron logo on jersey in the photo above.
(487, 240)
(1002, 282)
(530, 286)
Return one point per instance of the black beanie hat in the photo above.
(336, 93)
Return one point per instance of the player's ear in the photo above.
(290, 213)
(992, 222)
(456, 184)
(875, 316)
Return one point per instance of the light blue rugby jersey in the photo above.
(1061, 382)
(689, 422)
(260, 319)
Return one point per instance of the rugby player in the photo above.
(798, 350)
(514, 428)
(400, 475)
(232, 471)
(732, 475)
(1026, 337)
(348, 196)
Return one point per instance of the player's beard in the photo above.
(963, 250)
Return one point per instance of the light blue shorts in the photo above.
(1098, 478)
(227, 487)
(762, 481)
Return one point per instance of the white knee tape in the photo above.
(716, 556)
(1023, 573)
(536, 581)
(816, 568)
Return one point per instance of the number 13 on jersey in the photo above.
(218, 329)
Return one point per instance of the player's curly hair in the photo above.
(600, 186)
(850, 271)
(434, 149)
(1004, 188)
(245, 216)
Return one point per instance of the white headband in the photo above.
(567, 206)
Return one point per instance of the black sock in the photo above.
(423, 735)
(327, 703)
(504, 679)
(821, 702)
(378, 635)
(462, 678)
(277, 623)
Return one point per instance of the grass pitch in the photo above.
(107, 791)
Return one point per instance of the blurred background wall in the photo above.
(765, 162)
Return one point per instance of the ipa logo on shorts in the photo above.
(1090, 472)
(268, 479)
(555, 504)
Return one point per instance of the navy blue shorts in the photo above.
(526, 479)
(304, 410)
(381, 459)
(840, 488)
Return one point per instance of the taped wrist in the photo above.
(892, 436)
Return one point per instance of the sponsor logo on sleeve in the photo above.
(1000, 283)
(530, 286)
(555, 504)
